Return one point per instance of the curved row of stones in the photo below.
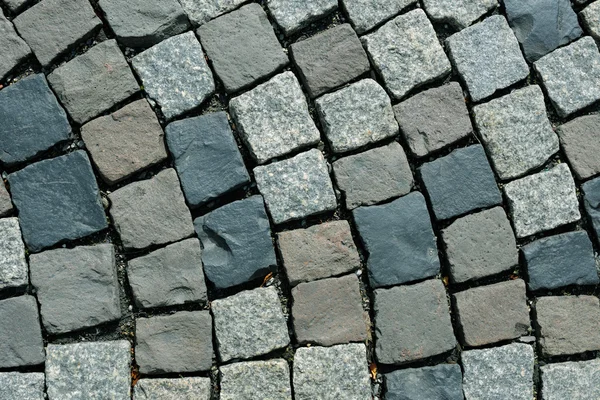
(86, 117)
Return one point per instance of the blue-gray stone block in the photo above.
(441, 382)
(591, 191)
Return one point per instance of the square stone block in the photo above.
(442, 381)
(458, 13)
(13, 264)
(580, 140)
(270, 378)
(189, 388)
(292, 15)
(20, 333)
(590, 17)
(22, 386)
(366, 14)
(15, 50)
(570, 380)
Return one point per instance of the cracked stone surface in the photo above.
(458, 13)
(191, 388)
(202, 11)
(366, 14)
(14, 271)
(292, 15)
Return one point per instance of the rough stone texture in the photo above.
(571, 380)
(570, 75)
(15, 385)
(329, 311)
(542, 201)
(357, 115)
(192, 388)
(591, 190)
(32, 120)
(125, 142)
(20, 333)
(237, 244)
(542, 25)
(412, 322)
(373, 176)
(14, 49)
(292, 15)
(488, 57)
(143, 23)
(175, 74)
(499, 373)
(318, 252)
(330, 59)
(13, 264)
(458, 13)
(201, 11)
(242, 47)
(273, 118)
(52, 27)
(434, 119)
(399, 239)
(94, 81)
(422, 59)
(516, 132)
(151, 212)
(246, 380)
(460, 182)
(58, 199)
(443, 381)
(568, 324)
(479, 245)
(561, 260)
(76, 288)
(97, 370)
(168, 276)
(16, 5)
(6, 206)
(366, 14)
(580, 140)
(180, 342)
(591, 21)
(296, 188)
(249, 324)
(206, 156)
(318, 376)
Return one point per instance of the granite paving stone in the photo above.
(297, 187)
(580, 140)
(356, 115)
(13, 264)
(542, 201)
(58, 199)
(421, 61)
(249, 324)
(273, 118)
(168, 276)
(14, 49)
(434, 119)
(412, 322)
(590, 17)
(318, 252)
(179, 342)
(570, 380)
(22, 386)
(487, 57)
(6, 206)
(175, 74)
(16, 5)
(570, 74)
(206, 157)
(458, 13)
(591, 191)
(292, 15)
(242, 47)
(202, 11)
(366, 14)
(516, 132)
(189, 388)
(399, 240)
(237, 243)
(270, 378)
(125, 142)
(20, 333)
(93, 82)
(442, 381)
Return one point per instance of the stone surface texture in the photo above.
(366, 14)
(443, 381)
(15, 50)
(16, 5)
(458, 13)
(580, 140)
(201, 11)
(191, 388)
(591, 190)
(245, 380)
(570, 380)
(20, 333)
(6, 206)
(590, 17)
(291, 15)
(13, 264)
(22, 386)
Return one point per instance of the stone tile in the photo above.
(317, 373)
(175, 74)
(76, 288)
(242, 47)
(516, 132)
(569, 75)
(6, 206)
(15, 50)
(206, 157)
(237, 244)
(53, 27)
(330, 59)
(399, 239)
(189, 388)
(270, 378)
(542, 201)
(13, 264)
(273, 118)
(366, 14)
(317, 252)
(580, 140)
(292, 15)
(58, 199)
(98, 369)
(591, 191)
(443, 381)
(179, 342)
(460, 182)
(93, 82)
(356, 115)
(32, 120)
(434, 119)
(458, 13)
(505, 371)
(568, 324)
(412, 322)
(15, 5)
(202, 11)
(22, 386)
(249, 324)
(421, 61)
(570, 380)
(329, 311)
(297, 187)
(151, 212)
(590, 17)
(169, 276)
(125, 142)
(20, 333)
(474, 53)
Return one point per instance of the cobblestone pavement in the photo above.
(310, 200)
